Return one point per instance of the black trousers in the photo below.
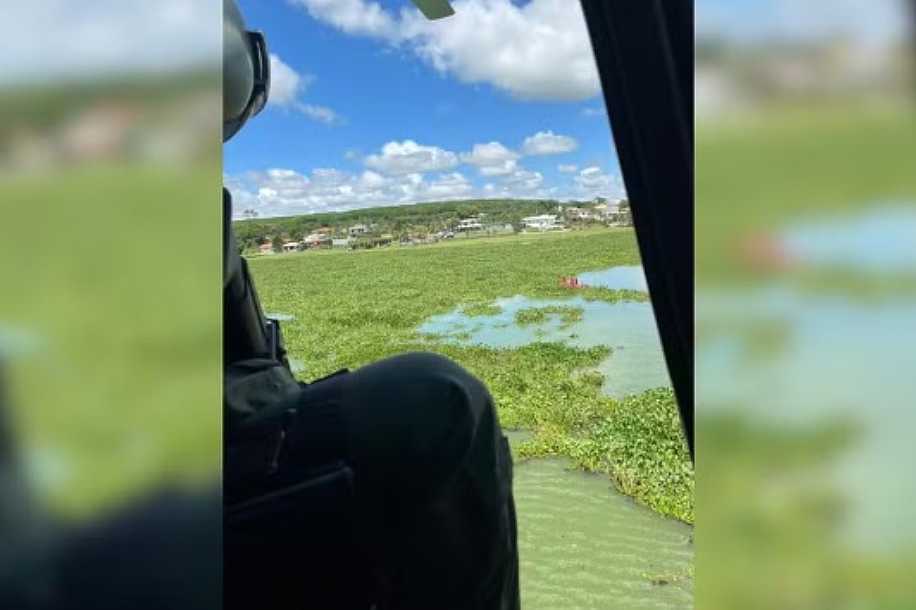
(390, 486)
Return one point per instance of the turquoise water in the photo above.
(879, 239)
(628, 328)
(836, 359)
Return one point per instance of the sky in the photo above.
(373, 105)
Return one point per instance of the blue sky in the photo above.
(379, 107)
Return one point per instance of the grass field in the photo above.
(351, 308)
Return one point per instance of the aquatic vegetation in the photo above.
(641, 446)
(538, 315)
(354, 308)
(481, 309)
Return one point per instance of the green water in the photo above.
(582, 545)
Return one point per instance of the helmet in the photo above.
(246, 71)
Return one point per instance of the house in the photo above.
(618, 214)
(266, 248)
(575, 213)
(469, 224)
(316, 240)
(357, 230)
(100, 132)
(341, 243)
(292, 246)
(544, 222)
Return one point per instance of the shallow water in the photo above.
(583, 545)
(866, 374)
(879, 239)
(624, 277)
(628, 328)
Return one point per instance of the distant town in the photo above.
(425, 223)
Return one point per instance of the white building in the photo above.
(575, 213)
(470, 224)
(315, 240)
(340, 243)
(292, 246)
(544, 222)
(358, 230)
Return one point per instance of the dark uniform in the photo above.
(387, 486)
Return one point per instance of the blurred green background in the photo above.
(110, 322)
(806, 293)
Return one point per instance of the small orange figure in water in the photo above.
(763, 252)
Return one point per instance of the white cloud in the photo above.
(281, 192)
(523, 180)
(449, 186)
(548, 143)
(536, 50)
(286, 85)
(568, 169)
(322, 114)
(370, 179)
(492, 159)
(520, 184)
(353, 16)
(505, 168)
(593, 111)
(397, 158)
(56, 40)
(594, 182)
(285, 192)
(491, 153)
(286, 89)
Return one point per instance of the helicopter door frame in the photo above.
(644, 52)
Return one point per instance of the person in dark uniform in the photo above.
(389, 486)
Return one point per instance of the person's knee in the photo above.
(416, 416)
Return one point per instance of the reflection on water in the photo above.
(583, 545)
